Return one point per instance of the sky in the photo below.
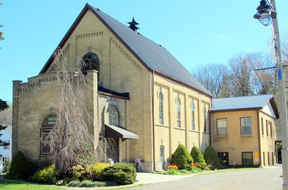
(194, 32)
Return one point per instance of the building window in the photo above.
(47, 125)
(246, 126)
(267, 131)
(193, 115)
(247, 158)
(178, 113)
(5, 159)
(161, 108)
(262, 128)
(113, 116)
(6, 147)
(221, 127)
(205, 120)
(91, 62)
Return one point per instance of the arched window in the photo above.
(47, 125)
(178, 113)
(193, 115)
(113, 116)
(161, 110)
(205, 120)
(91, 62)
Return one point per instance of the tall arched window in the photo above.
(113, 116)
(161, 110)
(91, 62)
(178, 113)
(47, 125)
(193, 115)
(205, 120)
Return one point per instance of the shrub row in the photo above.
(184, 160)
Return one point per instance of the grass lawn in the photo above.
(18, 186)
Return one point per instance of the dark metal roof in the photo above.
(244, 102)
(153, 56)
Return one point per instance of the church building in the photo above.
(137, 93)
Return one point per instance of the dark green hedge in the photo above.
(211, 157)
(197, 156)
(20, 167)
(182, 158)
(121, 173)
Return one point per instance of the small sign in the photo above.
(256, 148)
(256, 155)
(256, 159)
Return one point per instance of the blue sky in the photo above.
(195, 32)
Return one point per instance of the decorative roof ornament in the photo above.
(133, 25)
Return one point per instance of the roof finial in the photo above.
(133, 25)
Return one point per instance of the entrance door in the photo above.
(224, 158)
(162, 156)
(112, 149)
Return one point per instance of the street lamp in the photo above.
(266, 14)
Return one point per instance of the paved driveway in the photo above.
(267, 178)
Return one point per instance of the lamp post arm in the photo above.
(282, 100)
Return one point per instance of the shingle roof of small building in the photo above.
(244, 102)
(151, 55)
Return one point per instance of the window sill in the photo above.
(160, 125)
(246, 135)
(194, 131)
(178, 128)
(220, 136)
(207, 133)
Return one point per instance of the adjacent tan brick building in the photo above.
(244, 130)
(132, 83)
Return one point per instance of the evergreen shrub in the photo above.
(211, 157)
(198, 157)
(121, 173)
(182, 158)
(20, 167)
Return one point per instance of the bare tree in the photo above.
(212, 76)
(71, 141)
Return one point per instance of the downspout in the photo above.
(259, 138)
(153, 122)
(211, 130)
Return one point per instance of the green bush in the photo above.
(74, 183)
(182, 158)
(47, 175)
(121, 173)
(211, 158)
(20, 167)
(197, 156)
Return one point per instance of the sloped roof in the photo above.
(153, 56)
(244, 103)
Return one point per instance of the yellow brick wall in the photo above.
(168, 133)
(235, 143)
(267, 142)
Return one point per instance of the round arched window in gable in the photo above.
(91, 62)
(49, 121)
